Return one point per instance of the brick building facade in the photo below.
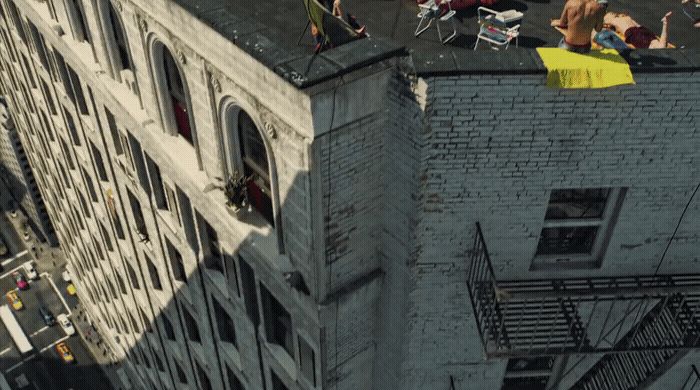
(376, 181)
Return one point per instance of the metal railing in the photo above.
(581, 315)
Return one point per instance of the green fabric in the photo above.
(335, 30)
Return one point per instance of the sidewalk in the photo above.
(97, 347)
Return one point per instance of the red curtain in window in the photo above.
(260, 201)
(182, 119)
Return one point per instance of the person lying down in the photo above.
(635, 34)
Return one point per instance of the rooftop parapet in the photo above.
(275, 33)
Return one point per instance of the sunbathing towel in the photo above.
(597, 69)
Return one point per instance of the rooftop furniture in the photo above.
(431, 11)
(498, 28)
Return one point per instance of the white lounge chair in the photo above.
(429, 12)
(498, 28)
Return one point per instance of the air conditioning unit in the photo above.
(129, 79)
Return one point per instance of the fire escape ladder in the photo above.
(670, 323)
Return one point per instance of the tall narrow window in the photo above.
(176, 262)
(278, 322)
(233, 382)
(168, 327)
(124, 60)
(307, 361)
(192, 328)
(224, 324)
(255, 166)
(203, 378)
(277, 383)
(82, 32)
(153, 272)
(176, 96)
(180, 373)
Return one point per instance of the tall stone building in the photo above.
(418, 215)
(17, 178)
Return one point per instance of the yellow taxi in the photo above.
(14, 300)
(71, 290)
(64, 352)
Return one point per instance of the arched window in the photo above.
(255, 166)
(81, 28)
(122, 49)
(247, 156)
(175, 96)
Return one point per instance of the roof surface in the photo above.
(273, 31)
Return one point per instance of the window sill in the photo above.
(564, 262)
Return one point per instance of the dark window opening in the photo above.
(153, 272)
(577, 203)
(180, 373)
(255, 166)
(224, 324)
(567, 240)
(132, 276)
(138, 218)
(277, 383)
(191, 325)
(83, 33)
(176, 262)
(307, 361)
(250, 297)
(278, 322)
(168, 327)
(119, 38)
(233, 382)
(203, 378)
(177, 97)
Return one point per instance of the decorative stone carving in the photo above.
(180, 56)
(143, 24)
(270, 130)
(119, 6)
(215, 84)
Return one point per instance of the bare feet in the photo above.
(664, 20)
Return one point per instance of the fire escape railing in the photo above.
(581, 315)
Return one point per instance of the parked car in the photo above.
(20, 280)
(66, 276)
(30, 271)
(71, 290)
(66, 325)
(47, 316)
(14, 300)
(64, 352)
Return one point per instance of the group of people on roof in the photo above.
(584, 21)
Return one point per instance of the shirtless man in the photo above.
(577, 21)
(637, 35)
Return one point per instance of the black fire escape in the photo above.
(642, 324)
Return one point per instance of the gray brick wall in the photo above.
(495, 147)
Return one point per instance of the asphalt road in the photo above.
(42, 369)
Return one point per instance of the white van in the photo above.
(30, 271)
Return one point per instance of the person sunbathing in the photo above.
(578, 19)
(635, 34)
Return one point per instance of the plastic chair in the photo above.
(430, 11)
(498, 28)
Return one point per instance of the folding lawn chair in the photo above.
(498, 28)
